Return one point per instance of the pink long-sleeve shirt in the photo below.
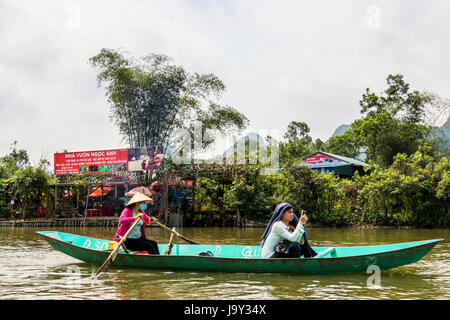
(127, 219)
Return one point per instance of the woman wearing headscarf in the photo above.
(278, 240)
(134, 210)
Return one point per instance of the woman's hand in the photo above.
(139, 215)
(153, 219)
(303, 218)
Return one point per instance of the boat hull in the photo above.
(250, 262)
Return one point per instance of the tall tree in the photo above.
(392, 123)
(17, 159)
(296, 130)
(398, 100)
(394, 120)
(348, 144)
(153, 100)
(298, 145)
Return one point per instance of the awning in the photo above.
(98, 191)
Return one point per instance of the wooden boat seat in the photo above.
(325, 252)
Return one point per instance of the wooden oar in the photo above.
(170, 245)
(174, 232)
(113, 254)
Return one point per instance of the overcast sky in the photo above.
(280, 60)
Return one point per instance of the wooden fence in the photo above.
(106, 222)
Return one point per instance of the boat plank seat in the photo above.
(326, 252)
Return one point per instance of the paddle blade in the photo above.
(108, 262)
(187, 240)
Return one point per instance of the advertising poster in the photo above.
(148, 158)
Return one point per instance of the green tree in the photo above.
(348, 144)
(153, 100)
(298, 145)
(296, 130)
(319, 144)
(29, 185)
(384, 136)
(397, 100)
(4, 200)
(413, 191)
(17, 159)
(253, 193)
(392, 123)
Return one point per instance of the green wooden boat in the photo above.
(240, 258)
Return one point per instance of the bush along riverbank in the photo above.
(413, 191)
(407, 182)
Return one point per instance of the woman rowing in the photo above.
(280, 241)
(134, 210)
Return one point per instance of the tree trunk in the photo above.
(87, 202)
(193, 195)
(78, 203)
(38, 205)
(166, 199)
(238, 218)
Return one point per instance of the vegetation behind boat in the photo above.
(413, 192)
(407, 182)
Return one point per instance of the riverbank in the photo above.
(112, 222)
(83, 222)
(105, 222)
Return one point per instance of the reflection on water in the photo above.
(31, 269)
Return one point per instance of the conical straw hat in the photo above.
(139, 197)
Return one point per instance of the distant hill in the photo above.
(446, 132)
(251, 136)
(341, 130)
(443, 133)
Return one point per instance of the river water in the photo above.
(31, 269)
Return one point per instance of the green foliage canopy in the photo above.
(154, 101)
(392, 123)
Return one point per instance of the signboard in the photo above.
(322, 160)
(102, 161)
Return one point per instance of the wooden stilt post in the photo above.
(56, 199)
(86, 207)
(101, 207)
(166, 199)
(238, 218)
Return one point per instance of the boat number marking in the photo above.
(98, 245)
(248, 252)
(218, 250)
(87, 243)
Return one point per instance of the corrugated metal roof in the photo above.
(350, 160)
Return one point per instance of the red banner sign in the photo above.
(91, 161)
(322, 160)
(118, 160)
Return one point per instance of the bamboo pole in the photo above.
(170, 245)
(114, 253)
(176, 233)
(86, 207)
(56, 200)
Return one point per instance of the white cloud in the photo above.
(280, 61)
